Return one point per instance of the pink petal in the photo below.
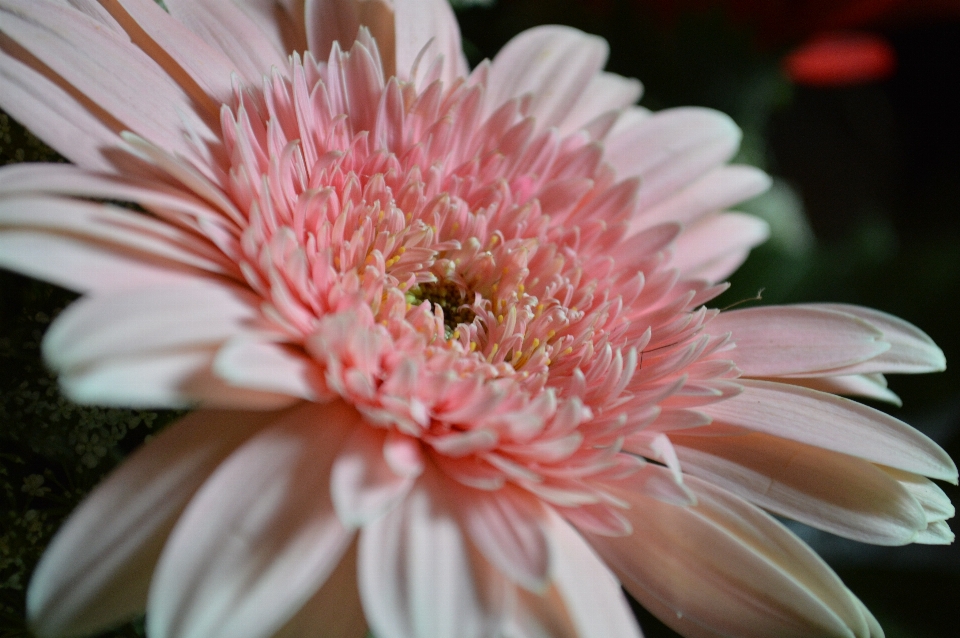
(79, 265)
(281, 21)
(834, 492)
(671, 149)
(225, 27)
(96, 571)
(592, 595)
(871, 386)
(113, 228)
(834, 423)
(60, 118)
(205, 66)
(553, 64)
(508, 527)
(335, 607)
(606, 92)
(134, 322)
(259, 538)
(330, 21)
(432, 26)
(714, 247)
(164, 380)
(416, 578)
(724, 568)
(721, 188)
(261, 364)
(911, 351)
(108, 69)
(363, 485)
(797, 340)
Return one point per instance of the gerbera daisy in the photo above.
(445, 333)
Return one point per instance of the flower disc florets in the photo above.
(462, 276)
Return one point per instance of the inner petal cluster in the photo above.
(462, 275)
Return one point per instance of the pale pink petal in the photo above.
(282, 21)
(911, 351)
(841, 494)
(362, 484)
(196, 63)
(671, 149)
(508, 526)
(834, 423)
(415, 574)
(61, 119)
(936, 504)
(714, 247)
(724, 568)
(797, 340)
(553, 64)
(592, 595)
(114, 228)
(330, 21)
(335, 610)
(108, 69)
(179, 379)
(721, 188)
(606, 92)
(870, 386)
(79, 265)
(224, 26)
(97, 569)
(430, 26)
(259, 538)
(247, 361)
(133, 322)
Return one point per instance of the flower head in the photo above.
(446, 333)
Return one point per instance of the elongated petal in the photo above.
(335, 610)
(415, 574)
(61, 119)
(834, 423)
(912, 351)
(428, 24)
(870, 386)
(113, 228)
(671, 149)
(363, 485)
(795, 340)
(260, 538)
(250, 362)
(330, 21)
(593, 598)
(509, 527)
(134, 322)
(714, 247)
(724, 568)
(97, 569)
(606, 92)
(553, 64)
(108, 69)
(834, 492)
(225, 27)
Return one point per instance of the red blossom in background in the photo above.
(831, 42)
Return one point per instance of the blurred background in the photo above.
(852, 105)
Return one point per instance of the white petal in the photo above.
(248, 362)
(260, 537)
(96, 571)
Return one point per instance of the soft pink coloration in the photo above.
(446, 333)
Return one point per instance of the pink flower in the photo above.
(446, 335)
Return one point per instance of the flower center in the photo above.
(449, 298)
